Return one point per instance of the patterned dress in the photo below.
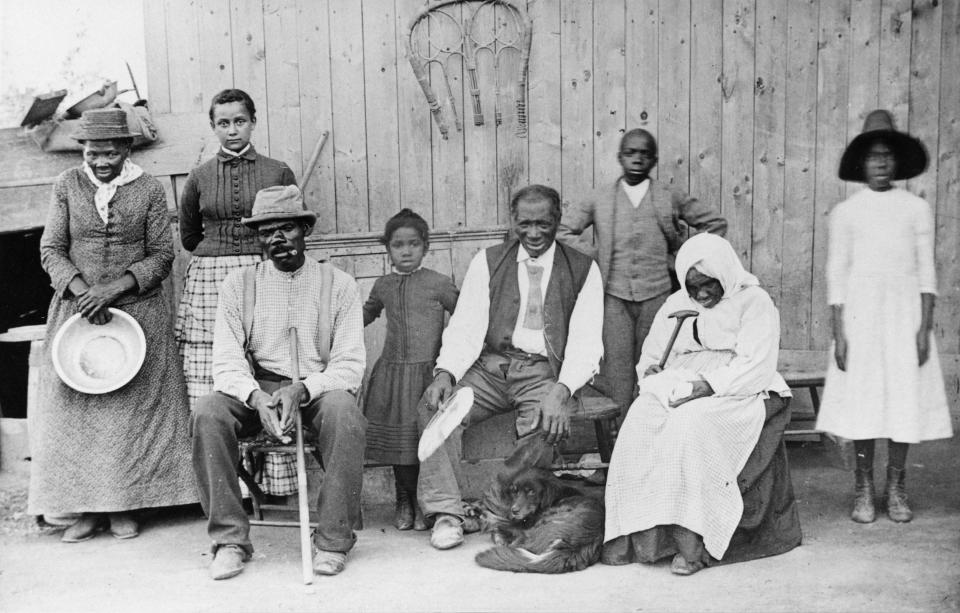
(130, 448)
(415, 305)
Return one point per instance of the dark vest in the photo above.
(569, 273)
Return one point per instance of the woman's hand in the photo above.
(923, 346)
(701, 389)
(927, 302)
(840, 351)
(94, 302)
(840, 346)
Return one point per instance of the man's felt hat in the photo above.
(911, 154)
(279, 202)
(103, 124)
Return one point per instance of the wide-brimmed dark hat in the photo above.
(279, 202)
(911, 155)
(103, 124)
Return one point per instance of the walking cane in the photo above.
(306, 552)
(680, 316)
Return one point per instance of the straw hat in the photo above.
(103, 124)
(279, 202)
(911, 154)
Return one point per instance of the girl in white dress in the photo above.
(885, 380)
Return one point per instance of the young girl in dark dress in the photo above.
(415, 299)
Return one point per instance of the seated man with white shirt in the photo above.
(521, 305)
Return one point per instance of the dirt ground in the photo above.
(841, 566)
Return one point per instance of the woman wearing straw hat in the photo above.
(107, 243)
(885, 379)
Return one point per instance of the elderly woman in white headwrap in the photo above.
(700, 453)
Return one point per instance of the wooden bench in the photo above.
(604, 414)
(804, 369)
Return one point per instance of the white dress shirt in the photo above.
(464, 337)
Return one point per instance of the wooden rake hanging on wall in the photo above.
(465, 39)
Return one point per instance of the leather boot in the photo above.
(863, 510)
(896, 496)
(403, 516)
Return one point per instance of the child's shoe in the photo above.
(863, 510)
(896, 496)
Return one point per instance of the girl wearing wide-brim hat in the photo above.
(108, 244)
(885, 380)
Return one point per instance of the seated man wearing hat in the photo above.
(256, 394)
(525, 336)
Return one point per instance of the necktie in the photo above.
(533, 317)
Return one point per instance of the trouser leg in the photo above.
(216, 424)
(642, 313)
(341, 429)
(617, 377)
(625, 327)
(438, 488)
(528, 383)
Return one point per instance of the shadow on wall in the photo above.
(26, 293)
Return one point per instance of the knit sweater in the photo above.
(218, 193)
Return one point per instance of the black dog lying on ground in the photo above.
(540, 525)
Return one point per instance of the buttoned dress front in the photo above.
(415, 304)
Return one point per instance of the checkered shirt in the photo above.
(285, 299)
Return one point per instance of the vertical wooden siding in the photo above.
(752, 102)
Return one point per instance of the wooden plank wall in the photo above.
(752, 102)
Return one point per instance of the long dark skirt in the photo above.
(770, 524)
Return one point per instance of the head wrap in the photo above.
(714, 256)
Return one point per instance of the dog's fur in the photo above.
(540, 525)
